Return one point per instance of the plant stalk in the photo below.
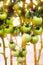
(5, 58)
(35, 60)
(40, 49)
(10, 51)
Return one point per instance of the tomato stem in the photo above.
(5, 58)
(40, 48)
(10, 51)
(35, 61)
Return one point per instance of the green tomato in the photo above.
(26, 38)
(26, 28)
(28, 14)
(8, 29)
(24, 52)
(19, 12)
(37, 21)
(16, 31)
(3, 16)
(12, 45)
(9, 21)
(1, 31)
(16, 7)
(38, 30)
(34, 39)
(21, 59)
(15, 53)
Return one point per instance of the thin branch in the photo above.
(10, 51)
(35, 54)
(5, 58)
(40, 49)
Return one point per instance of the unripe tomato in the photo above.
(12, 45)
(37, 21)
(21, 59)
(15, 53)
(38, 30)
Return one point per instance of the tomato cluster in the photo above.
(31, 24)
